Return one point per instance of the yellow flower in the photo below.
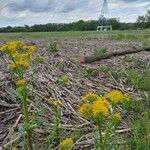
(90, 97)
(19, 53)
(15, 55)
(67, 143)
(21, 57)
(100, 108)
(29, 49)
(85, 109)
(116, 117)
(105, 101)
(19, 64)
(21, 83)
(116, 96)
(11, 47)
(17, 46)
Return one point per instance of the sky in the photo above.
(30, 12)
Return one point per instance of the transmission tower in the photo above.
(103, 19)
(104, 11)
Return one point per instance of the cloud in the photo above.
(31, 5)
(20, 12)
(48, 5)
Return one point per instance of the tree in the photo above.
(114, 22)
(148, 16)
(141, 19)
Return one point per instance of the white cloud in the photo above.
(21, 12)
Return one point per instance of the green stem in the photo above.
(107, 134)
(24, 105)
(26, 117)
(100, 132)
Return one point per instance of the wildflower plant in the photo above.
(20, 57)
(53, 47)
(101, 110)
(53, 138)
(63, 80)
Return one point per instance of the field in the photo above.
(132, 35)
(58, 73)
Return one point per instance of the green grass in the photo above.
(52, 47)
(138, 111)
(139, 80)
(134, 35)
(140, 134)
(46, 35)
(99, 51)
(105, 69)
(90, 72)
(63, 80)
(139, 115)
(127, 35)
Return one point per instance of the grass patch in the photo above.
(49, 35)
(139, 36)
(140, 134)
(139, 80)
(99, 51)
(105, 69)
(52, 47)
(116, 73)
(90, 72)
(129, 35)
(134, 77)
(145, 83)
(140, 123)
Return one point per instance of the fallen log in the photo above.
(89, 59)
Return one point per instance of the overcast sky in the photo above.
(20, 12)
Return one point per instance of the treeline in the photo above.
(142, 23)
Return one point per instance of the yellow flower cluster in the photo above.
(29, 49)
(117, 96)
(22, 57)
(19, 65)
(17, 46)
(100, 108)
(21, 83)
(67, 143)
(11, 47)
(19, 53)
(95, 106)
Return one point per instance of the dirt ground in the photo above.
(65, 62)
